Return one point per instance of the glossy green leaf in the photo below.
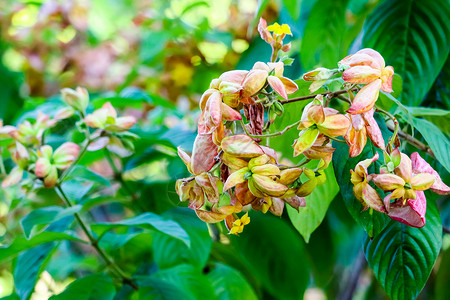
(86, 174)
(228, 283)
(373, 222)
(97, 286)
(402, 257)
(180, 282)
(274, 254)
(28, 266)
(169, 252)
(308, 218)
(437, 141)
(414, 37)
(148, 221)
(21, 243)
(323, 35)
(45, 216)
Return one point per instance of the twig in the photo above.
(2, 165)
(269, 134)
(118, 176)
(302, 163)
(396, 125)
(330, 94)
(413, 141)
(94, 243)
(348, 290)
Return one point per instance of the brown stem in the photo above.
(94, 243)
(413, 141)
(330, 94)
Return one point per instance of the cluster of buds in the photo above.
(30, 153)
(404, 181)
(112, 131)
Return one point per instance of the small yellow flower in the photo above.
(238, 225)
(279, 29)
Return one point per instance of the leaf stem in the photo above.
(413, 141)
(330, 94)
(396, 124)
(302, 163)
(94, 243)
(269, 134)
(2, 165)
(118, 175)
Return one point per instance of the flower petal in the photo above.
(334, 125)
(203, 154)
(235, 178)
(373, 130)
(277, 86)
(419, 165)
(366, 98)
(422, 181)
(241, 145)
(404, 169)
(361, 74)
(388, 182)
(305, 140)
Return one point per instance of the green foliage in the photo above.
(402, 257)
(146, 220)
(308, 218)
(437, 141)
(274, 254)
(169, 252)
(413, 37)
(324, 30)
(97, 286)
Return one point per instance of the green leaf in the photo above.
(402, 257)
(20, 243)
(92, 287)
(148, 221)
(274, 254)
(386, 102)
(442, 276)
(437, 141)
(169, 252)
(45, 216)
(427, 111)
(404, 112)
(230, 284)
(83, 172)
(373, 223)
(293, 7)
(324, 32)
(413, 37)
(29, 265)
(308, 218)
(180, 282)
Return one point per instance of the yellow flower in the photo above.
(279, 29)
(238, 225)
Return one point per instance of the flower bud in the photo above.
(78, 98)
(318, 74)
(254, 82)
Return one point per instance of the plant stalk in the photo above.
(94, 243)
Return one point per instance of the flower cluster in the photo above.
(404, 179)
(31, 155)
(233, 171)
